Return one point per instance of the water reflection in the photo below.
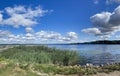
(105, 57)
(97, 54)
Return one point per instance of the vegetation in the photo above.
(11, 68)
(44, 61)
(101, 42)
(41, 55)
(105, 42)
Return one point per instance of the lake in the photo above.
(96, 54)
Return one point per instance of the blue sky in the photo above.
(58, 21)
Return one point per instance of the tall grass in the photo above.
(41, 54)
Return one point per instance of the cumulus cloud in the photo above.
(72, 35)
(37, 37)
(29, 36)
(8, 37)
(21, 16)
(101, 19)
(48, 35)
(105, 23)
(93, 31)
(18, 20)
(26, 17)
(29, 29)
(4, 33)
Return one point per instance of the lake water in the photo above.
(96, 54)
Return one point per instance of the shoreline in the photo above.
(55, 70)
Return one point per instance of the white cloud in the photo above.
(18, 16)
(28, 35)
(105, 37)
(93, 31)
(15, 10)
(17, 20)
(72, 35)
(62, 39)
(8, 37)
(106, 23)
(115, 17)
(37, 37)
(38, 11)
(101, 19)
(21, 16)
(28, 29)
(4, 33)
(48, 35)
(55, 36)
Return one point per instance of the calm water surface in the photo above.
(97, 54)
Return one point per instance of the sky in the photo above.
(58, 21)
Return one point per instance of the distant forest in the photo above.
(101, 42)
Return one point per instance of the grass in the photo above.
(11, 68)
(41, 54)
(36, 61)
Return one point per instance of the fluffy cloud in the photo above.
(106, 23)
(6, 36)
(72, 35)
(29, 29)
(4, 33)
(18, 16)
(18, 20)
(101, 19)
(21, 16)
(48, 35)
(37, 37)
(94, 31)
(29, 36)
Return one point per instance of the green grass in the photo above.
(31, 60)
(11, 68)
(41, 55)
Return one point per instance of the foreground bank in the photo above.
(10, 68)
